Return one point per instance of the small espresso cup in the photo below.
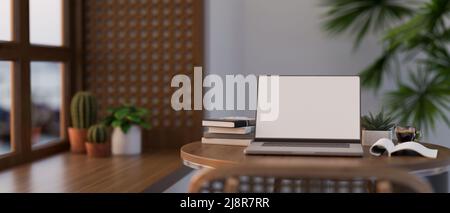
(405, 134)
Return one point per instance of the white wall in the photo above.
(224, 40)
(285, 37)
(224, 24)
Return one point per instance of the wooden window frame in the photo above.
(21, 53)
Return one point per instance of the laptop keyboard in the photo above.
(320, 145)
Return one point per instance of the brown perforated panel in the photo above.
(133, 48)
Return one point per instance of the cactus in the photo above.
(83, 110)
(98, 134)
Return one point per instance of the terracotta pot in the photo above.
(96, 150)
(35, 134)
(77, 138)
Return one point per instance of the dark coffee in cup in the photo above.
(405, 134)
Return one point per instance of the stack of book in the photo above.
(229, 131)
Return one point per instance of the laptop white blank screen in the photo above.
(313, 108)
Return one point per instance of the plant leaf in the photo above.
(121, 113)
(141, 112)
(116, 123)
(125, 127)
(421, 103)
(372, 76)
(134, 118)
(363, 16)
(379, 122)
(145, 125)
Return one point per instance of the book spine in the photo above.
(234, 131)
(228, 136)
(228, 124)
(227, 142)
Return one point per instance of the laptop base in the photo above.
(304, 149)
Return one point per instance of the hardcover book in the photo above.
(228, 122)
(230, 142)
(235, 131)
(228, 136)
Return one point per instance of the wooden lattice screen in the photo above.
(133, 48)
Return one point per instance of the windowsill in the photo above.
(67, 172)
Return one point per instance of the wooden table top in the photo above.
(215, 156)
(71, 173)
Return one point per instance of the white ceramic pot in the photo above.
(127, 144)
(370, 137)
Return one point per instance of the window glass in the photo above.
(46, 91)
(5, 20)
(5, 107)
(46, 22)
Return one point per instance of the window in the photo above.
(46, 102)
(5, 107)
(46, 22)
(36, 64)
(5, 20)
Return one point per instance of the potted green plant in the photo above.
(97, 145)
(376, 127)
(83, 110)
(127, 122)
(414, 36)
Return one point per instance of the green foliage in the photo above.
(371, 77)
(419, 136)
(419, 40)
(83, 110)
(126, 116)
(421, 102)
(379, 122)
(363, 16)
(98, 134)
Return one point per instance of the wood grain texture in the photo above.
(216, 156)
(77, 173)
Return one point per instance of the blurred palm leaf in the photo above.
(438, 60)
(422, 102)
(422, 39)
(363, 16)
(426, 99)
(426, 27)
(372, 76)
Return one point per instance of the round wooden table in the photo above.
(197, 155)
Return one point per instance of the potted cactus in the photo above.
(127, 122)
(97, 145)
(376, 127)
(83, 110)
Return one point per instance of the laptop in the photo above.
(317, 116)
